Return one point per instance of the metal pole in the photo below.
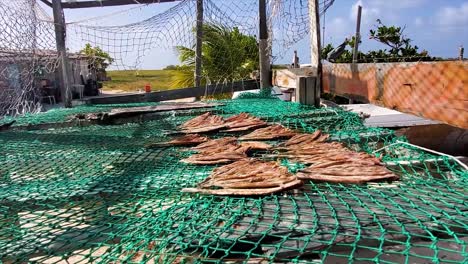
(358, 35)
(263, 47)
(60, 31)
(198, 58)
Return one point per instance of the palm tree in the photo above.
(227, 55)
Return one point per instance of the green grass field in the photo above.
(132, 81)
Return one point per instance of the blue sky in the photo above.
(438, 26)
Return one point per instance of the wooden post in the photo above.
(265, 80)
(357, 37)
(295, 63)
(59, 21)
(323, 25)
(308, 90)
(460, 53)
(198, 58)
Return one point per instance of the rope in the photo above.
(425, 149)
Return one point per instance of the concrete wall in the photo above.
(287, 78)
(434, 90)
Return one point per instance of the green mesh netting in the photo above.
(94, 194)
(263, 93)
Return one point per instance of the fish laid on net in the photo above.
(209, 123)
(213, 144)
(243, 122)
(220, 143)
(203, 124)
(93, 194)
(302, 140)
(332, 162)
(269, 133)
(256, 145)
(346, 171)
(223, 150)
(218, 154)
(186, 140)
(247, 177)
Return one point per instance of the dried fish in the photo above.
(332, 162)
(213, 144)
(256, 145)
(247, 177)
(243, 122)
(269, 133)
(203, 124)
(186, 140)
(218, 155)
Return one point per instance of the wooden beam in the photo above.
(88, 4)
(265, 80)
(314, 25)
(176, 94)
(313, 97)
(60, 32)
(198, 52)
(306, 91)
(47, 3)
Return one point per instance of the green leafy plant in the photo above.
(99, 59)
(400, 47)
(227, 55)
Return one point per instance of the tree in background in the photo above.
(391, 36)
(227, 55)
(100, 59)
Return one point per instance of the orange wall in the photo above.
(434, 90)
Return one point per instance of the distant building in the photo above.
(27, 77)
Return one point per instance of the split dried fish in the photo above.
(269, 133)
(247, 177)
(243, 122)
(203, 124)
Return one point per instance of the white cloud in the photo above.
(386, 10)
(418, 21)
(400, 4)
(369, 12)
(453, 16)
(337, 30)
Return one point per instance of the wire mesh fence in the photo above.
(27, 47)
(94, 193)
(78, 192)
(29, 61)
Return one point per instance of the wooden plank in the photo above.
(47, 3)
(307, 91)
(117, 112)
(102, 3)
(176, 94)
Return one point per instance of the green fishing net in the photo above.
(95, 194)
